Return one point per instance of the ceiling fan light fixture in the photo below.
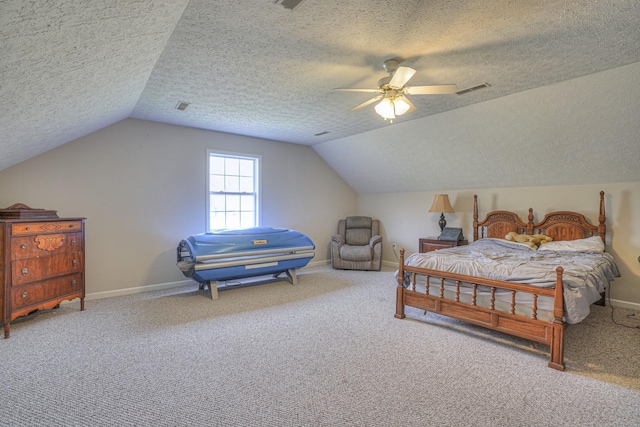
(400, 105)
(390, 107)
(386, 109)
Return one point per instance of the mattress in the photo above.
(240, 253)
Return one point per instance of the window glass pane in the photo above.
(246, 185)
(247, 219)
(246, 167)
(232, 184)
(216, 164)
(247, 203)
(216, 183)
(217, 203)
(232, 166)
(233, 220)
(218, 221)
(233, 203)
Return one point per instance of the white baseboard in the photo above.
(390, 264)
(161, 286)
(624, 304)
(138, 289)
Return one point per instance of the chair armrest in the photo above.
(375, 240)
(337, 239)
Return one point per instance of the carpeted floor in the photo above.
(325, 352)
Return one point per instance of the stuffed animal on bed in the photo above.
(533, 241)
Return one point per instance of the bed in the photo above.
(512, 288)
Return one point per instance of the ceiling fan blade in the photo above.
(364, 104)
(401, 77)
(411, 106)
(347, 89)
(431, 90)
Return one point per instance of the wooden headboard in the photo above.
(498, 223)
(560, 225)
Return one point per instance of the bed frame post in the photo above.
(602, 228)
(556, 346)
(530, 222)
(475, 217)
(400, 289)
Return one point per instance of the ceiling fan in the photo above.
(392, 91)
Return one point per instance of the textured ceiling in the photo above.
(255, 68)
(69, 68)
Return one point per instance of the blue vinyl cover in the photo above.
(248, 239)
(240, 272)
(229, 243)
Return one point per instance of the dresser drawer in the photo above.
(45, 245)
(428, 247)
(433, 244)
(25, 296)
(45, 227)
(34, 269)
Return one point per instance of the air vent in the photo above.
(321, 133)
(181, 106)
(288, 4)
(471, 89)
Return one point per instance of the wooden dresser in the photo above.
(41, 261)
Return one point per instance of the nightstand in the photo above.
(428, 244)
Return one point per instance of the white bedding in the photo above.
(585, 276)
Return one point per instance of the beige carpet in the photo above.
(325, 352)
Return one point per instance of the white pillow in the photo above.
(590, 244)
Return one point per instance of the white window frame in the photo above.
(257, 182)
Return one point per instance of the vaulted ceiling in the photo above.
(257, 68)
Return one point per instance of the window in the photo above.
(232, 190)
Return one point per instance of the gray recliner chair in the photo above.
(358, 244)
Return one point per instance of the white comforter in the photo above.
(585, 273)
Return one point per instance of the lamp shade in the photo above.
(386, 109)
(390, 107)
(400, 105)
(441, 204)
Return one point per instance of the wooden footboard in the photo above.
(531, 328)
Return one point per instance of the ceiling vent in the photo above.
(182, 106)
(471, 89)
(288, 4)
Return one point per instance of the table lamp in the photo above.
(441, 204)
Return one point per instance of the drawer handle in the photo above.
(23, 246)
(24, 271)
(73, 242)
(74, 262)
(24, 294)
(28, 228)
(73, 282)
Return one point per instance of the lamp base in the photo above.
(442, 222)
